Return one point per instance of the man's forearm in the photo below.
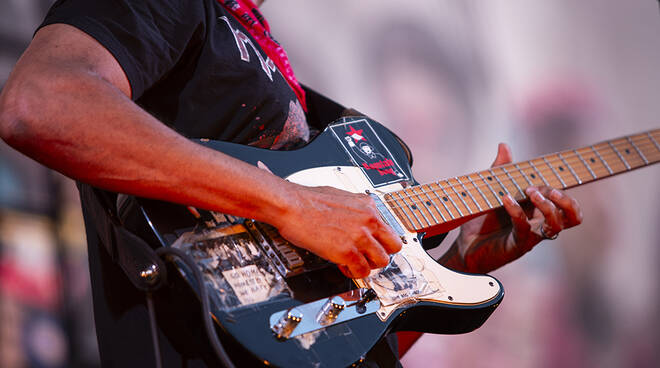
(67, 105)
(77, 123)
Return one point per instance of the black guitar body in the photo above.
(424, 298)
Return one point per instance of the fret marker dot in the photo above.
(444, 199)
(627, 151)
(490, 178)
(463, 194)
(501, 194)
(428, 203)
(533, 176)
(561, 168)
(592, 160)
(413, 207)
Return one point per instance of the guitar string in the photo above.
(567, 155)
(453, 201)
(516, 174)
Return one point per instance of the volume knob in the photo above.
(289, 321)
(330, 310)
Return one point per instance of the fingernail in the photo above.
(507, 198)
(530, 190)
(537, 195)
(554, 194)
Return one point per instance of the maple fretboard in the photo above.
(443, 204)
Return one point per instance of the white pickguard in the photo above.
(439, 285)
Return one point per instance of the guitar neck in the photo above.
(443, 205)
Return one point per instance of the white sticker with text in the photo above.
(248, 283)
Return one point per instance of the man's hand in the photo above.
(491, 241)
(348, 229)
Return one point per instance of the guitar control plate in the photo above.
(357, 303)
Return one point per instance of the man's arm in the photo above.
(67, 105)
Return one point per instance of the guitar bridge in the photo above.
(287, 258)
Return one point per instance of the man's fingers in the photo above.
(354, 265)
(388, 238)
(375, 254)
(570, 207)
(547, 208)
(504, 155)
(519, 219)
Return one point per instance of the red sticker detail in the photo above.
(355, 134)
(380, 166)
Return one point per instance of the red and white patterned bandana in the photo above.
(249, 16)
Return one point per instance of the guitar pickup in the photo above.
(322, 313)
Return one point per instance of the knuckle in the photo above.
(574, 203)
(555, 226)
(348, 255)
(361, 271)
(395, 247)
(381, 260)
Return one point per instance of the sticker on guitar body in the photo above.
(248, 283)
(367, 151)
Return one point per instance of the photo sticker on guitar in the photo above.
(236, 270)
(367, 151)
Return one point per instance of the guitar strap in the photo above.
(135, 257)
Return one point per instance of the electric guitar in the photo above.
(289, 308)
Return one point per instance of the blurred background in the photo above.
(452, 78)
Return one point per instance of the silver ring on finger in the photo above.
(545, 236)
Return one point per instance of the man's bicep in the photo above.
(64, 48)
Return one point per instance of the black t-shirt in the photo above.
(187, 67)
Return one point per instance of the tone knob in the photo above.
(330, 310)
(285, 326)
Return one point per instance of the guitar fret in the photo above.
(418, 209)
(411, 211)
(523, 174)
(625, 163)
(469, 193)
(480, 192)
(513, 181)
(538, 172)
(428, 209)
(437, 209)
(413, 208)
(555, 172)
(653, 140)
(459, 196)
(497, 179)
(491, 189)
(451, 200)
(646, 162)
(602, 160)
(579, 181)
(444, 204)
(585, 164)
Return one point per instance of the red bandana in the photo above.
(249, 16)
